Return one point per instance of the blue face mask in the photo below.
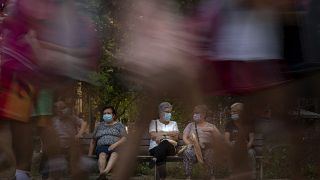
(107, 117)
(167, 116)
(196, 116)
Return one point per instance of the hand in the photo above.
(158, 139)
(31, 38)
(190, 145)
(112, 147)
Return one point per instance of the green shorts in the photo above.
(44, 104)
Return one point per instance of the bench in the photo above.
(144, 156)
(143, 153)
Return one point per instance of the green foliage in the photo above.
(310, 171)
(276, 163)
(143, 169)
(110, 86)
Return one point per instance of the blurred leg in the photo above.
(7, 159)
(23, 148)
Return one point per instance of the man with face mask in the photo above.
(164, 136)
(64, 125)
(236, 133)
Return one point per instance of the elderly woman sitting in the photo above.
(109, 135)
(198, 136)
(164, 135)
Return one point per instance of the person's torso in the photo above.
(204, 137)
(108, 134)
(234, 132)
(159, 126)
(66, 129)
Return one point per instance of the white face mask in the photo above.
(235, 117)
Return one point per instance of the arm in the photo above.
(186, 139)
(123, 135)
(227, 138)
(118, 143)
(93, 144)
(83, 128)
(174, 134)
(80, 52)
(251, 140)
(155, 136)
(186, 135)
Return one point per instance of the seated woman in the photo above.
(107, 137)
(164, 135)
(201, 133)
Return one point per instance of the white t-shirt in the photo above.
(170, 127)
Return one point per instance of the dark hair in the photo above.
(114, 112)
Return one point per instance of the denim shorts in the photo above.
(102, 148)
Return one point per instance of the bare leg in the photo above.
(23, 148)
(111, 162)
(102, 162)
(7, 158)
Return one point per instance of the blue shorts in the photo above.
(103, 148)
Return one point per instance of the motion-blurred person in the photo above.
(164, 136)
(18, 81)
(240, 45)
(64, 126)
(83, 128)
(63, 43)
(64, 40)
(236, 132)
(109, 135)
(205, 133)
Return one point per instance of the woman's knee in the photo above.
(102, 156)
(114, 155)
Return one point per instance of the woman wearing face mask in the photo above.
(204, 133)
(108, 136)
(164, 135)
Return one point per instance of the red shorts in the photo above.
(230, 77)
